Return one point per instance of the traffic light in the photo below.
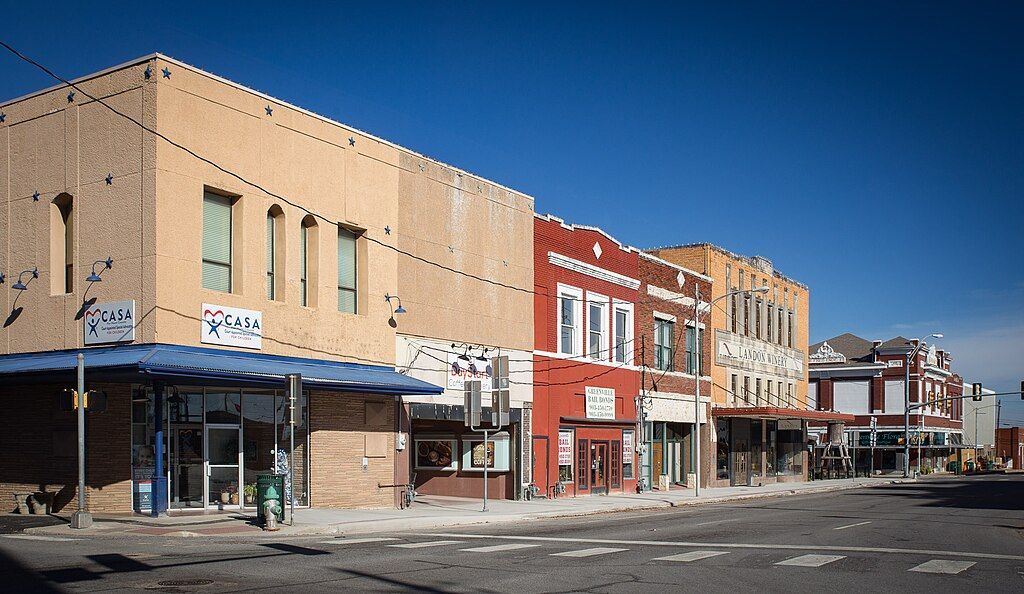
(976, 387)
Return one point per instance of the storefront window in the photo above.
(223, 406)
(755, 446)
(627, 453)
(722, 451)
(565, 456)
(496, 453)
(790, 446)
(436, 454)
(771, 459)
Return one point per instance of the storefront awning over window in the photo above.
(184, 364)
(777, 412)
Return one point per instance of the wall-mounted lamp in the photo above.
(395, 310)
(95, 277)
(20, 285)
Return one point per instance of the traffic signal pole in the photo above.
(81, 518)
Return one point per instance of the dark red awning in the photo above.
(776, 412)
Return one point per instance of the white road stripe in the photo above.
(422, 545)
(692, 556)
(943, 566)
(735, 545)
(851, 525)
(39, 537)
(811, 560)
(499, 548)
(348, 541)
(588, 552)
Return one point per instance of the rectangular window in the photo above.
(778, 337)
(496, 455)
(614, 464)
(582, 447)
(769, 322)
(216, 242)
(623, 333)
(734, 385)
(789, 334)
(347, 289)
(565, 456)
(304, 264)
(664, 331)
(694, 343)
(733, 300)
(270, 256)
(771, 393)
(569, 314)
(746, 314)
(436, 454)
(746, 389)
(757, 384)
(722, 451)
(597, 328)
(757, 319)
(789, 393)
(628, 444)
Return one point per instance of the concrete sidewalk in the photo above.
(433, 512)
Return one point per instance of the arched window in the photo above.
(62, 245)
(308, 252)
(275, 252)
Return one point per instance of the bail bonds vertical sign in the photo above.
(231, 326)
(110, 322)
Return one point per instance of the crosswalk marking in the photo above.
(348, 541)
(588, 552)
(811, 560)
(39, 537)
(421, 545)
(943, 566)
(691, 556)
(852, 525)
(499, 548)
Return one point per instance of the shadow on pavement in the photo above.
(961, 493)
(18, 578)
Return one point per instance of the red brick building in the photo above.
(673, 352)
(867, 379)
(585, 377)
(1010, 446)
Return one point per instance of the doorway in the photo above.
(599, 467)
(223, 465)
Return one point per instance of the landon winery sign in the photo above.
(736, 351)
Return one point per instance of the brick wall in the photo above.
(338, 434)
(39, 443)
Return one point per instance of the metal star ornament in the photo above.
(109, 179)
(351, 141)
(35, 196)
(3, 116)
(387, 230)
(71, 96)
(149, 72)
(167, 72)
(270, 110)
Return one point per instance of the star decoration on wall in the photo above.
(423, 167)
(451, 249)
(167, 72)
(351, 141)
(270, 110)
(149, 72)
(109, 179)
(71, 96)
(35, 196)
(3, 116)
(387, 230)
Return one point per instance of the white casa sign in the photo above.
(231, 326)
(600, 403)
(110, 322)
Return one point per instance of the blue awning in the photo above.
(185, 364)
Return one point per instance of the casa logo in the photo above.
(232, 326)
(110, 322)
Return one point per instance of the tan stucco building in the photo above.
(759, 376)
(249, 238)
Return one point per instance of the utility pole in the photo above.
(696, 383)
(81, 518)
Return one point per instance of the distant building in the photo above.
(980, 422)
(1010, 446)
(866, 378)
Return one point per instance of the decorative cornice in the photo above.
(593, 271)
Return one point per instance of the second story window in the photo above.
(789, 333)
(217, 242)
(62, 256)
(308, 252)
(569, 320)
(271, 288)
(623, 333)
(597, 327)
(347, 294)
(664, 337)
(694, 343)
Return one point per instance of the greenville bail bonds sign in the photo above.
(734, 351)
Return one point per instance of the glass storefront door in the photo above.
(223, 465)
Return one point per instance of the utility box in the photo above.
(269, 486)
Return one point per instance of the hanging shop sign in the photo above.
(564, 448)
(110, 322)
(600, 403)
(463, 368)
(231, 326)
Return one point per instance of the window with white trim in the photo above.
(664, 344)
(570, 320)
(597, 326)
(622, 333)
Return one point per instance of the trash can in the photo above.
(264, 483)
(953, 466)
(969, 466)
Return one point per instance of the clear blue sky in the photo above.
(873, 151)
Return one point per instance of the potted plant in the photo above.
(250, 494)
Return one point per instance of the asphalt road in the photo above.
(942, 535)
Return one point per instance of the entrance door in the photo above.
(599, 467)
(740, 464)
(223, 465)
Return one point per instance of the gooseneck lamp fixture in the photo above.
(394, 310)
(21, 285)
(95, 277)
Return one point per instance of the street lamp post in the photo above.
(911, 354)
(698, 371)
